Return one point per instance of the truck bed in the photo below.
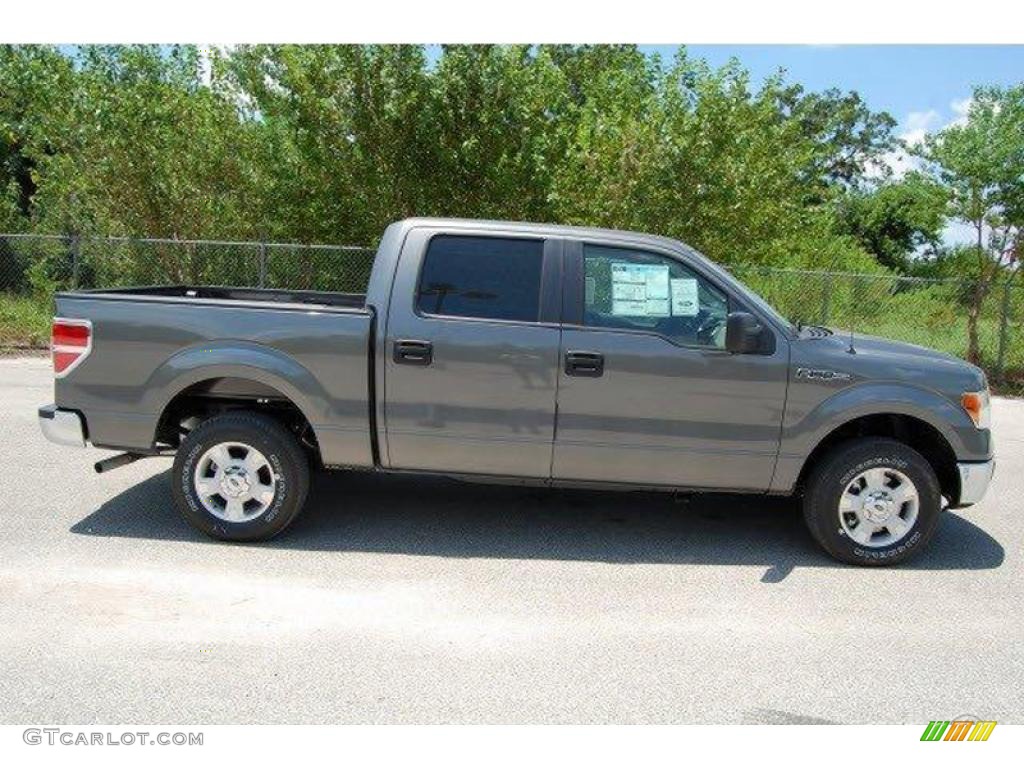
(152, 344)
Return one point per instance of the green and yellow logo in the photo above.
(958, 730)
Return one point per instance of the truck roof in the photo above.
(542, 229)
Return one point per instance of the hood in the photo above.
(876, 345)
(878, 358)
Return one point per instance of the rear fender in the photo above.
(243, 360)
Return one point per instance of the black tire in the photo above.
(834, 474)
(283, 454)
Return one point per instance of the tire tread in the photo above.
(819, 509)
(234, 425)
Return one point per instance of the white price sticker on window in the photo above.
(684, 297)
(640, 290)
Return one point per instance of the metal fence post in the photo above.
(1004, 322)
(263, 265)
(826, 298)
(75, 259)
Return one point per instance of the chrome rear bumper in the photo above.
(974, 479)
(62, 427)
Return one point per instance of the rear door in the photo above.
(472, 353)
(647, 393)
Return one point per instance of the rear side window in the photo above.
(487, 277)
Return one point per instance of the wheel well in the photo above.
(918, 434)
(211, 397)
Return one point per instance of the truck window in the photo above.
(486, 277)
(643, 291)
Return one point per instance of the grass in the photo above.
(24, 322)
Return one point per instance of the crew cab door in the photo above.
(647, 392)
(472, 353)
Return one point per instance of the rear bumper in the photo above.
(61, 426)
(975, 477)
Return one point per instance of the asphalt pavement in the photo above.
(417, 599)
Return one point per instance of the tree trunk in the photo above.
(977, 297)
(973, 311)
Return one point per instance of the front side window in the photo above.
(642, 291)
(485, 277)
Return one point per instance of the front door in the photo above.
(647, 392)
(472, 359)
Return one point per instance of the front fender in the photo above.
(806, 425)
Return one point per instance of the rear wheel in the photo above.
(872, 501)
(240, 477)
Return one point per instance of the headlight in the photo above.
(978, 407)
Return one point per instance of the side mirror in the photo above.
(742, 333)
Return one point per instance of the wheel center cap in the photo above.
(235, 482)
(878, 507)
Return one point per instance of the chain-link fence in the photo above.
(933, 313)
(29, 263)
(33, 267)
(954, 316)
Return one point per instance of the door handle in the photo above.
(589, 364)
(412, 352)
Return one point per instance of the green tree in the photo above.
(980, 164)
(697, 153)
(145, 148)
(329, 143)
(499, 122)
(34, 83)
(345, 132)
(848, 137)
(895, 220)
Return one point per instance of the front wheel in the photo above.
(872, 501)
(240, 477)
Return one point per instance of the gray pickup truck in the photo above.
(527, 353)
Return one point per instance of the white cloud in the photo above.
(960, 108)
(205, 66)
(912, 130)
(917, 124)
(897, 161)
(959, 233)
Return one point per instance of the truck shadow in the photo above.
(423, 515)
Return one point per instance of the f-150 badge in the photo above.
(821, 374)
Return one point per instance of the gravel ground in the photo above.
(406, 599)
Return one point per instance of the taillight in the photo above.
(71, 343)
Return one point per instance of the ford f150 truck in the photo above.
(511, 352)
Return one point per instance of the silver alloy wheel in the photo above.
(235, 482)
(879, 507)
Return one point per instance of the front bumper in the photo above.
(61, 426)
(974, 479)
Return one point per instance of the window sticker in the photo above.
(684, 297)
(640, 290)
(657, 308)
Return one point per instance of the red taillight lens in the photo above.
(71, 343)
